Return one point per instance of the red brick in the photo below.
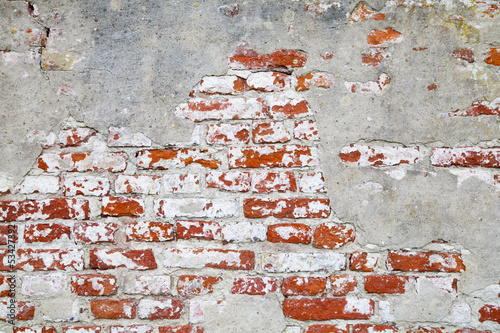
(289, 109)
(176, 157)
(280, 59)
(328, 308)
(193, 285)
(36, 329)
(131, 329)
(306, 130)
(312, 183)
(465, 55)
(388, 35)
(375, 56)
(272, 156)
(343, 284)
(143, 184)
(303, 286)
(215, 258)
(480, 108)
(422, 329)
(232, 181)
(82, 162)
(5, 231)
(466, 157)
(493, 57)
(371, 328)
(24, 311)
(360, 155)
(182, 183)
(327, 328)
(470, 330)
(122, 206)
(49, 259)
(269, 81)
(94, 232)
(180, 329)
(149, 232)
(266, 182)
(363, 261)
(113, 309)
(160, 308)
(85, 186)
(333, 236)
(149, 285)
(224, 109)
(254, 285)
(204, 230)
(364, 13)
(424, 262)
(386, 284)
(114, 258)
(327, 55)
(48, 209)
(45, 232)
(5, 282)
(289, 233)
(318, 79)
(228, 134)
(93, 285)
(293, 208)
(269, 132)
(223, 85)
(75, 136)
(490, 313)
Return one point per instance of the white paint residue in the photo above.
(191, 207)
(244, 232)
(192, 258)
(487, 176)
(38, 184)
(228, 109)
(148, 306)
(358, 305)
(460, 313)
(312, 183)
(124, 137)
(303, 262)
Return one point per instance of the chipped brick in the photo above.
(203, 230)
(114, 258)
(193, 285)
(333, 236)
(269, 81)
(293, 208)
(283, 60)
(232, 181)
(86, 185)
(75, 136)
(364, 13)
(123, 137)
(272, 156)
(269, 132)
(94, 232)
(317, 79)
(424, 262)
(328, 308)
(148, 285)
(113, 309)
(93, 285)
(48, 209)
(388, 35)
(142, 184)
(170, 158)
(303, 286)
(149, 231)
(82, 162)
(466, 157)
(386, 284)
(360, 155)
(289, 233)
(122, 206)
(254, 285)
(266, 182)
(225, 109)
(363, 261)
(160, 309)
(215, 258)
(289, 109)
(343, 284)
(306, 130)
(228, 134)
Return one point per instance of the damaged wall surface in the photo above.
(260, 166)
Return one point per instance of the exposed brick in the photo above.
(386, 284)
(122, 206)
(254, 285)
(82, 162)
(5, 290)
(333, 236)
(113, 309)
(228, 134)
(493, 57)
(466, 157)
(5, 231)
(289, 109)
(371, 328)
(422, 329)
(312, 183)
(447, 284)
(232, 181)
(48, 209)
(123, 137)
(369, 87)
(303, 286)
(327, 55)
(424, 262)
(82, 329)
(75, 136)
(303, 262)
(224, 85)
(470, 330)
(375, 56)
(114, 258)
(465, 55)
(24, 311)
(45, 232)
(225, 109)
(490, 313)
(293, 208)
(215, 258)
(269, 81)
(480, 108)
(364, 13)
(94, 232)
(318, 79)
(39, 184)
(278, 60)
(176, 157)
(182, 183)
(272, 156)
(86, 185)
(327, 328)
(149, 231)
(148, 285)
(196, 207)
(36, 37)
(289, 233)
(387, 35)
(363, 261)
(49, 259)
(131, 329)
(143, 184)
(160, 308)
(243, 232)
(204, 230)
(266, 182)
(269, 132)
(180, 329)
(93, 285)
(306, 130)
(343, 284)
(193, 285)
(360, 155)
(328, 308)
(36, 329)
(43, 285)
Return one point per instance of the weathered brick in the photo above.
(86, 185)
(34, 329)
(232, 181)
(114, 258)
(5, 282)
(364, 13)
(493, 57)
(289, 109)
(75, 136)
(471, 330)
(215, 258)
(466, 157)
(369, 87)
(225, 109)
(254, 285)
(327, 55)
(490, 313)
(43, 285)
(131, 329)
(327, 328)
(243, 232)
(361, 155)
(8, 233)
(289, 233)
(426, 329)
(182, 183)
(113, 309)
(447, 284)
(82, 162)
(480, 108)
(39, 184)
(175, 157)
(312, 183)
(36, 37)
(333, 236)
(160, 308)
(293, 208)
(375, 56)
(424, 262)
(269, 81)
(193, 285)
(48, 209)
(180, 329)
(303, 262)
(306, 130)
(124, 137)
(45, 232)
(143, 184)
(279, 59)
(196, 207)
(386, 284)
(81, 329)
(148, 285)
(387, 35)
(465, 55)
(49, 259)
(272, 156)
(363, 261)
(122, 206)
(149, 231)
(228, 134)
(224, 85)
(204, 230)
(303, 286)
(328, 308)
(266, 182)
(94, 232)
(373, 328)
(93, 285)
(317, 79)
(343, 284)
(24, 310)
(269, 132)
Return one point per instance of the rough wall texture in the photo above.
(279, 166)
